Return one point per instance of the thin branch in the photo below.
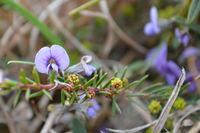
(49, 122)
(119, 32)
(165, 112)
(177, 125)
(134, 130)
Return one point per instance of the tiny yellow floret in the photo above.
(117, 83)
(73, 78)
(155, 107)
(179, 104)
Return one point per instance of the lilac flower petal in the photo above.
(154, 15)
(161, 58)
(192, 87)
(95, 105)
(189, 78)
(178, 34)
(171, 79)
(86, 59)
(190, 51)
(91, 112)
(60, 56)
(88, 69)
(54, 67)
(173, 68)
(41, 59)
(149, 29)
(186, 39)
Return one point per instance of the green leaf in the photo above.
(84, 6)
(90, 81)
(193, 10)
(28, 93)
(101, 79)
(30, 81)
(33, 19)
(114, 102)
(161, 90)
(184, 87)
(72, 98)
(84, 99)
(136, 94)
(123, 73)
(4, 92)
(17, 96)
(63, 97)
(47, 94)
(52, 76)
(78, 127)
(20, 62)
(192, 26)
(136, 83)
(36, 94)
(107, 83)
(105, 92)
(151, 87)
(23, 76)
(36, 76)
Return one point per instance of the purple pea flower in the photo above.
(171, 72)
(183, 38)
(88, 69)
(152, 28)
(169, 69)
(190, 78)
(93, 106)
(190, 51)
(53, 58)
(83, 67)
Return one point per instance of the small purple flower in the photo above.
(152, 28)
(190, 79)
(169, 69)
(88, 69)
(93, 106)
(171, 72)
(158, 57)
(190, 51)
(53, 58)
(183, 38)
(83, 67)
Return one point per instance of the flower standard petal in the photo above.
(148, 29)
(173, 68)
(178, 34)
(60, 56)
(186, 39)
(42, 59)
(88, 69)
(154, 15)
(91, 112)
(189, 52)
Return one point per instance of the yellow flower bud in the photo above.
(155, 107)
(117, 83)
(179, 104)
(149, 130)
(51, 107)
(73, 78)
(169, 123)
